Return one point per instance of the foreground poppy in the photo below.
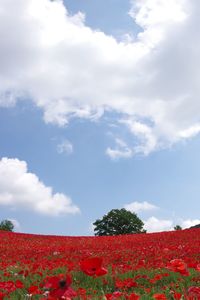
(194, 291)
(93, 266)
(178, 265)
(59, 287)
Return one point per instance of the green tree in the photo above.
(177, 227)
(118, 221)
(6, 225)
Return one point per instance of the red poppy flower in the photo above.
(133, 296)
(63, 293)
(93, 266)
(159, 297)
(176, 295)
(2, 296)
(194, 291)
(52, 282)
(19, 284)
(59, 287)
(198, 267)
(178, 265)
(33, 290)
(8, 286)
(113, 296)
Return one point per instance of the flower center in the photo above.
(62, 283)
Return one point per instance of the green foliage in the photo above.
(6, 225)
(118, 221)
(177, 227)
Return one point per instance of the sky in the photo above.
(99, 110)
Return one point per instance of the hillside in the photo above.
(195, 226)
(138, 266)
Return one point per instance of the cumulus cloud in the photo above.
(20, 188)
(189, 223)
(140, 206)
(156, 225)
(144, 133)
(70, 70)
(121, 150)
(65, 147)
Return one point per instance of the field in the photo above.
(144, 266)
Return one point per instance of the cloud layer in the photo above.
(189, 223)
(65, 147)
(140, 206)
(20, 188)
(154, 224)
(70, 70)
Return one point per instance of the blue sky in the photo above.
(97, 114)
(111, 18)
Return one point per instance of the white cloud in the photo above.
(69, 70)
(65, 147)
(189, 223)
(20, 188)
(144, 133)
(120, 151)
(190, 132)
(156, 225)
(140, 206)
(158, 14)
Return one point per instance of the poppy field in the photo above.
(140, 266)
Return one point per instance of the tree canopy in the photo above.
(6, 225)
(177, 227)
(118, 221)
